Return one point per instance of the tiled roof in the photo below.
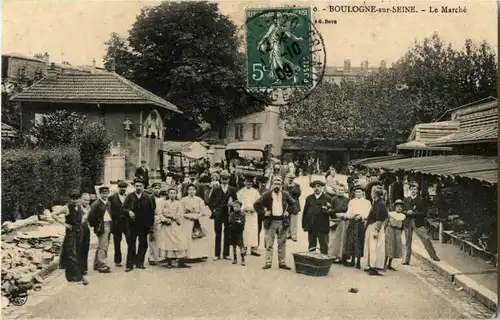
(474, 167)
(176, 146)
(22, 56)
(485, 134)
(106, 88)
(420, 145)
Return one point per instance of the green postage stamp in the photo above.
(278, 48)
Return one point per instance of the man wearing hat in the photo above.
(73, 215)
(274, 206)
(248, 195)
(100, 219)
(205, 181)
(153, 250)
(415, 221)
(294, 190)
(316, 217)
(139, 213)
(220, 200)
(143, 173)
(118, 226)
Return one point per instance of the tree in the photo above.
(187, 53)
(63, 128)
(434, 77)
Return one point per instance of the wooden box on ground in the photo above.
(312, 263)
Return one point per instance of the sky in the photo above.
(75, 31)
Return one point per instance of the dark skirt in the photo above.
(355, 239)
(236, 238)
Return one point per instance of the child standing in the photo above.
(393, 230)
(236, 228)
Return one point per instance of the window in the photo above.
(238, 131)
(222, 132)
(256, 131)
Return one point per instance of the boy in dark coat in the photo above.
(236, 228)
(100, 219)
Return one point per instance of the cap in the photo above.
(262, 178)
(103, 189)
(122, 184)
(399, 202)
(156, 184)
(291, 175)
(138, 180)
(317, 182)
(249, 178)
(143, 161)
(225, 174)
(357, 187)
(75, 195)
(205, 179)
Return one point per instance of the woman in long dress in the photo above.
(194, 211)
(357, 212)
(171, 241)
(393, 230)
(374, 248)
(338, 225)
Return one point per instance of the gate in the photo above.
(114, 169)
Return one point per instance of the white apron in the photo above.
(374, 251)
(251, 231)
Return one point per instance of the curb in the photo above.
(474, 289)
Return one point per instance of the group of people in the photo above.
(176, 220)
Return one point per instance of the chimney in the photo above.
(383, 65)
(46, 58)
(366, 65)
(93, 66)
(347, 66)
(362, 65)
(52, 73)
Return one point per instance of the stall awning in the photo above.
(480, 135)
(420, 145)
(364, 161)
(473, 167)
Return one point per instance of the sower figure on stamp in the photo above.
(153, 249)
(294, 190)
(415, 221)
(139, 213)
(316, 217)
(100, 219)
(118, 229)
(273, 205)
(219, 202)
(73, 214)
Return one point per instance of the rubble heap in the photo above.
(28, 246)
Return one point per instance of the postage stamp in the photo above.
(285, 53)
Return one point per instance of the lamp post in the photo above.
(127, 126)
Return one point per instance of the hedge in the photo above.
(36, 179)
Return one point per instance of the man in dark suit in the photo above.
(274, 206)
(118, 226)
(220, 200)
(143, 173)
(100, 219)
(139, 212)
(396, 190)
(415, 221)
(316, 218)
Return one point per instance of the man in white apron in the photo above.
(248, 195)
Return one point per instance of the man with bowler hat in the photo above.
(139, 213)
(316, 217)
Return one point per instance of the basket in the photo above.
(312, 265)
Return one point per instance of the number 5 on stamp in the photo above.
(278, 48)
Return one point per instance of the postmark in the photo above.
(285, 54)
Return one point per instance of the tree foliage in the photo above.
(187, 53)
(91, 139)
(434, 77)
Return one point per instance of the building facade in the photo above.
(337, 74)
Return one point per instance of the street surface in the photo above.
(222, 290)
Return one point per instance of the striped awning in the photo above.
(364, 161)
(480, 135)
(473, 167)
